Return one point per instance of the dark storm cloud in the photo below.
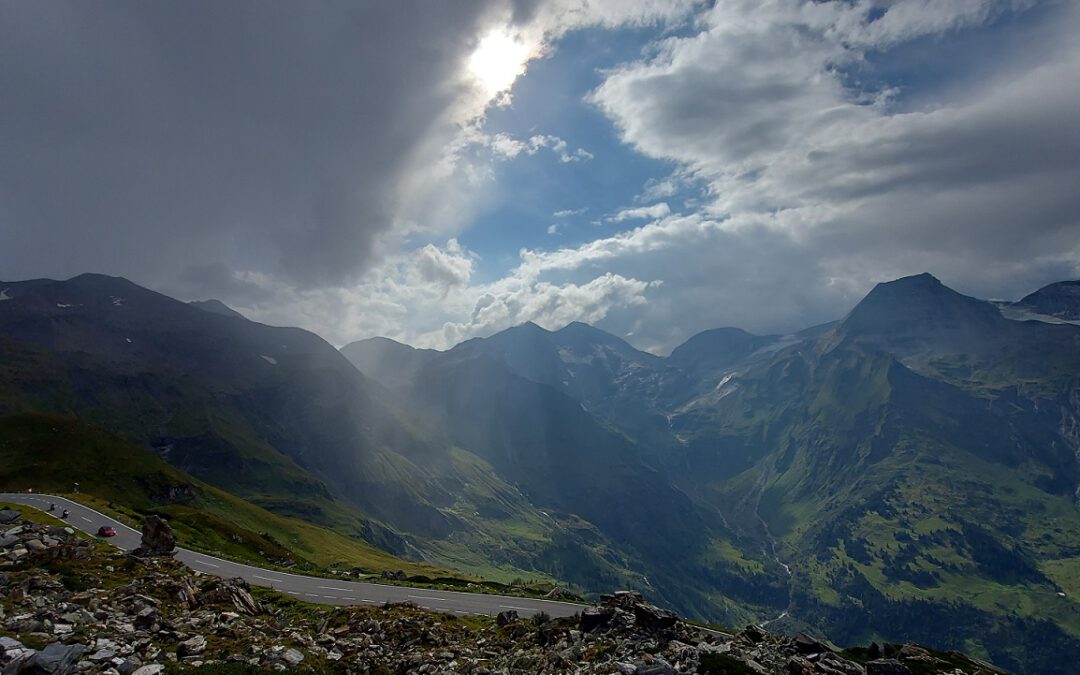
(140, 138)
(218, 280)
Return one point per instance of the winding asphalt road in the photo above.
(309, 589)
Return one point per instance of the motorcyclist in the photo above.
(64, 514)
(52, 506)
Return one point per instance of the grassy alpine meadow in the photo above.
(50, 453)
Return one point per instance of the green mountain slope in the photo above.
(909, 472)
(916, 467)
(280, 418)
(573, 466)
(51, 453)
(274, 415)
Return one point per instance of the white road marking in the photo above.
(370, 602)
(333, 588)
(266, 578)
(86, 519)
(524, 609)
(427, 597)
(203, 562)
(310, 595)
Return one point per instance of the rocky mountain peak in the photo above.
(917, 304)
(1061, 300)
(717, 347)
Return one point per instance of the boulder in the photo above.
(797, 665)
(506, 617)
(621, 599)
(55, 659)
(804, 644)
(240, 594)
(192, 647)
(157, 538)
(886, 667)
(7, 644)
(754, 633)
(651, 617)
(293, 657)
(146, 617)
(235, 591)
(595, 618)
(838, 665)
(9, 516)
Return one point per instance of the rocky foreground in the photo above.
(69, 605)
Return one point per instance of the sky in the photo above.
(435, 171)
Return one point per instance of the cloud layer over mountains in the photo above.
(325, 168)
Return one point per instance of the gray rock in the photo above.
(507, 617)
(804, 644)
(595, 618)
(886, 667)
(55, 659)
(192, 647)
(102, 655)
(9, 516)
(797, 665)
(7, 644)
(157, 538)
(17, 660)
(125, 667)
(293, 657)
(651, 617)
(152, 669)
(754, 633)
(146, 617)
(839, 665)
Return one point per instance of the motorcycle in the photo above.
(64, 514)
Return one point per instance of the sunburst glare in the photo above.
(497, 61)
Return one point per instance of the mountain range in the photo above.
(908, 472)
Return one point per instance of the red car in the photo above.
(106, 531)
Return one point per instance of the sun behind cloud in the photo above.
(498, 60)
